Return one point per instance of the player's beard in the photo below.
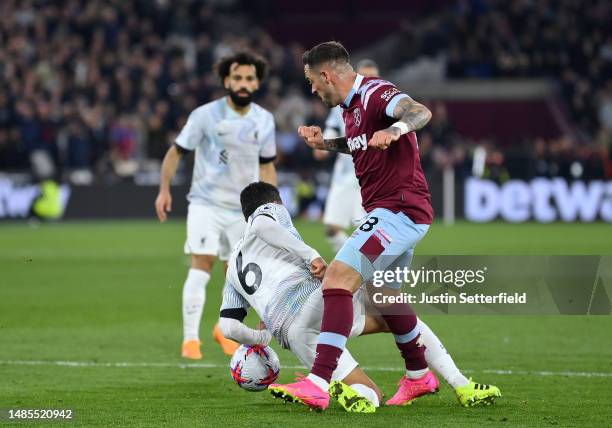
(328, 103)
(326, 98)
(242, 100)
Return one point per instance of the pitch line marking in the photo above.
(60, 363)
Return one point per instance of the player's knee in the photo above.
(202, 262)
(383, 327)
(375, 324)
(340, 275)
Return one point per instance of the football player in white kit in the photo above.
(343, 205)
(273, 271)
(234, 143)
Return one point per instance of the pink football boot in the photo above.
(303, 391)
(411, 389)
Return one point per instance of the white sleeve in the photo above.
(334, 124)
(232, 300)
(267, 138)
(266, 228)
(238, 332)
(192, 133)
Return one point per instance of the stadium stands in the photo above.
(94, 91)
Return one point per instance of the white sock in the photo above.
(416, 374)
(194, 295)
(337, 240)
(319, 381)
(439, 359)
(367, 392)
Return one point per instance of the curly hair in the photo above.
(223, 66)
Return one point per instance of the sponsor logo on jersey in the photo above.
(223, 157)
(389, 93)
(356, 143)
(357, 116)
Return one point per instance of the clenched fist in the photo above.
(318, 267)
(312, 135)
(381, 140)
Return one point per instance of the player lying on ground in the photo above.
(275, 272)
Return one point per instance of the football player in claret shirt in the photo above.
(380, 124)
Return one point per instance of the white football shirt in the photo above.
(227, 151)
(274, 281)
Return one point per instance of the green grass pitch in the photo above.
(90, 320)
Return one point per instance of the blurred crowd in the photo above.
(567, 41)
(440, 147)
(96, 90)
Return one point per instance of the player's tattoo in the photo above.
(335, 145)
(413, 114)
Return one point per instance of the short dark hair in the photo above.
(223, 66)
(325, 52)
(257, 194)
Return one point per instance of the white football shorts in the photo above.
(343, 205)
(304, 332)
(213, 230)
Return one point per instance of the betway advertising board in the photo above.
(541, 199)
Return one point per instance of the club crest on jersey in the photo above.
(357, 116)
(356, 143)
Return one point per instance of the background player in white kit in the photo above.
(234, 143)
(343, 205)
(275, 272)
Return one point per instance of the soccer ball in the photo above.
(254, 367)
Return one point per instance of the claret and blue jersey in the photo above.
(393, 185)
(392, 178)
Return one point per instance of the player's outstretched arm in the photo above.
(163, 203)
(268, 230)
(233, 312)
(239, 332)
(313, 136)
